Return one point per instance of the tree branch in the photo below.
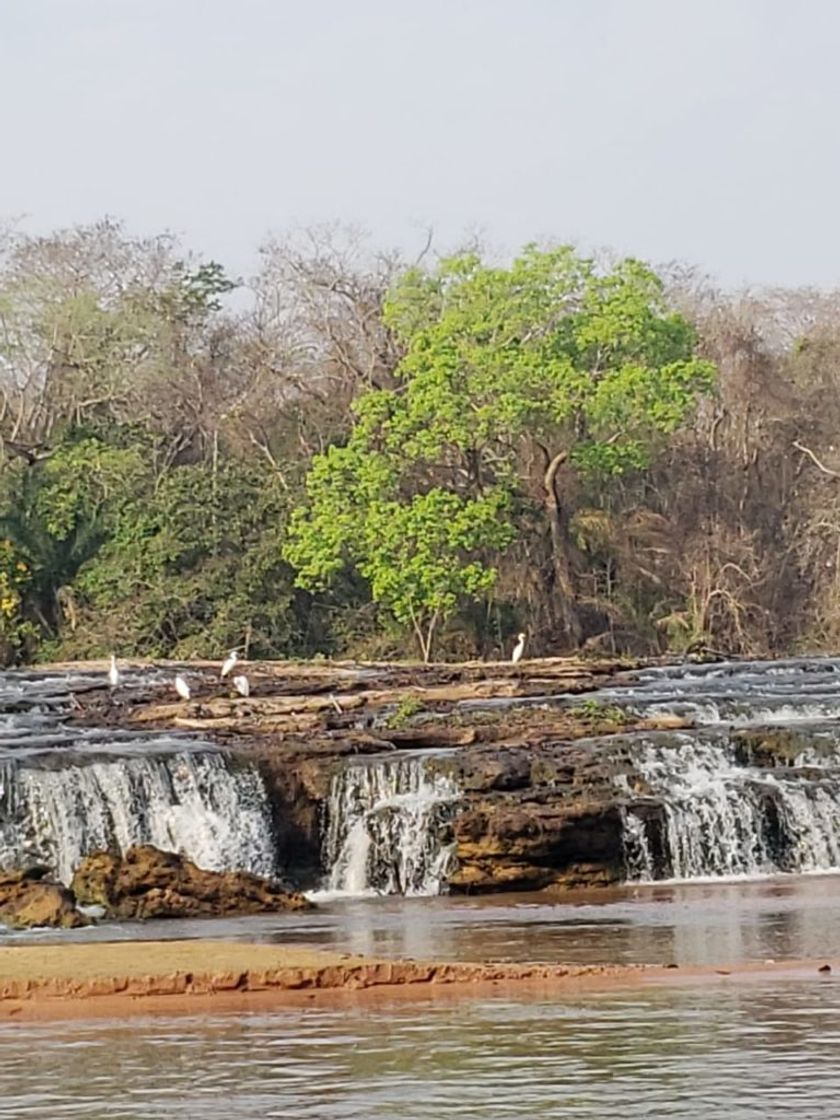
(820, 466)
(552, 469)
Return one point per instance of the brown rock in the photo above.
(149, 883)
(28, 899)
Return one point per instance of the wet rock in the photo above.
(482, 769)
(149, 883)
(772, 746)
(29, 899)
(522, 843)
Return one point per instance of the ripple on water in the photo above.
(735, 1052)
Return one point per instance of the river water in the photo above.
(764, 1048)
(758, 1048)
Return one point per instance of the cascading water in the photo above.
(192, 802)
(712, 813)
(388, 828)
(66, 791)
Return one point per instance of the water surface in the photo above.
(683, 923)
(724, 1051)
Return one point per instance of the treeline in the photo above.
(352, 455)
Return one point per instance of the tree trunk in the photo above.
(425, 634)
(564, 586)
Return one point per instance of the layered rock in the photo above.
(28, 899)
(533, 817)
(535, 808)
(148, 883)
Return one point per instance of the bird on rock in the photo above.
(113, 673)
(518, 649)
(182, 688)
(229, 662)
(242, 685)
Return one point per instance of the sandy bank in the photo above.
(120, 978)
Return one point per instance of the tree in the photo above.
(56, 514)
(191, 567)
(97, 326)
(549, 361)
(421, 556)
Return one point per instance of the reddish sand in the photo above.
(120, 978)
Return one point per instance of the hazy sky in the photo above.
(701, 130)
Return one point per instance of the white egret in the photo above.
(113, 673)
(242, 686)
(229, 662)
(518, 649)
(182, 688)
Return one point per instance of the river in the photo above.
(763, 1048)
(759, 1050)
(756, 1048)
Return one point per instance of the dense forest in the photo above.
(352, 454)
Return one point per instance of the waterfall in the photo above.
(709, 814)
(55, 811)
(388, 828)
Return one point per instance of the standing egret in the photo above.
(113, 673)
(229, 662)
(518, 649)
(182, 688)
(242, 686)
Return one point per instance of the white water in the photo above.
(387, 828)
(194, 803)
(707, 811)
(721, 818)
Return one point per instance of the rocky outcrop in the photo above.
(148, 883)
(29, 899)
(536, 809)
(525, 844)
(530, 818)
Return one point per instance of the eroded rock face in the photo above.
(537, 813)
(28, 899)
(149, 883)
(525, 844)
(536, 816)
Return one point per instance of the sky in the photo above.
(700, 131)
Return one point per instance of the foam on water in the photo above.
(710, 814)
(387, 828)
(192, 802)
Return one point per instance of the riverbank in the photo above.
(119, 979)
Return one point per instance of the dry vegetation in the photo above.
(155, 443)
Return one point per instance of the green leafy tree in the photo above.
(549, 361)
(193, 567)
(56, 514)
(421, 556)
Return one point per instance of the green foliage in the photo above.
(420, 556)
(404, 712)
(193, 567)
(549, 348)
(109, 556)
(550, 352)
(16, 633)
(56, 516)
(591, 709)
(152, 495)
